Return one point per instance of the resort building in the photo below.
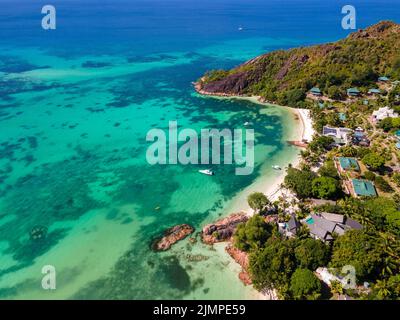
(316, 92)
(339, 135)
(383, 79)
(374, 92)
(362, 188)
(324, 225)
(289, 228)
(383, 113)
(345, 164)
(359, 138)
(353, 92)
(342, 116)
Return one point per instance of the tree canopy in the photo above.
(311, 254)
(258, 201)
(325, 188)
(300, 181)
(305, 285)
(358, 249)
(374, 161)
(272, 266)
(252, 234)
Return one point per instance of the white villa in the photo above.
(341, 136)
(383, 113)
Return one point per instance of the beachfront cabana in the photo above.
(353, 92)
(363, 188)
(316, 92)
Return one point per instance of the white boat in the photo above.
(207, 172)
(247, 123)
(276, 167)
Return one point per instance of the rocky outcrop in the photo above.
(223, 229)
(242, 259)
(245, 278)
(239, 256)
(234, 84)
(172, 236)
(293, 62)
(376, 31)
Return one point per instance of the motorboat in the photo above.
(207, 172)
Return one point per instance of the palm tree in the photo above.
(364, 220)
(389, 245)
(336, 288)
(382, 288)
(389, 266)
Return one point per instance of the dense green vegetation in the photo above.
(358, 249)
(305, 285)
(258, 201)
(374, 161)
(286, 76)
(252, 234)
(274, 259)
(307, 184)
(300, 181)
(274, 264)
(389, 124)
(311, 254)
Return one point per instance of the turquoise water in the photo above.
(74, 154)
(75, 108)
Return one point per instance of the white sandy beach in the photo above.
(308, 130)
(271, 186)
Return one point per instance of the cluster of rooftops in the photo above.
(358, 187)
(345, 136)
(322, 226)
(354, 92)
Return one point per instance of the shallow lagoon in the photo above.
(74, 112)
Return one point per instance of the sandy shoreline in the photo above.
(271, 187)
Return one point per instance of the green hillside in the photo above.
(285, 76)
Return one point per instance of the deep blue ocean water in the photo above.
(75, 104)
